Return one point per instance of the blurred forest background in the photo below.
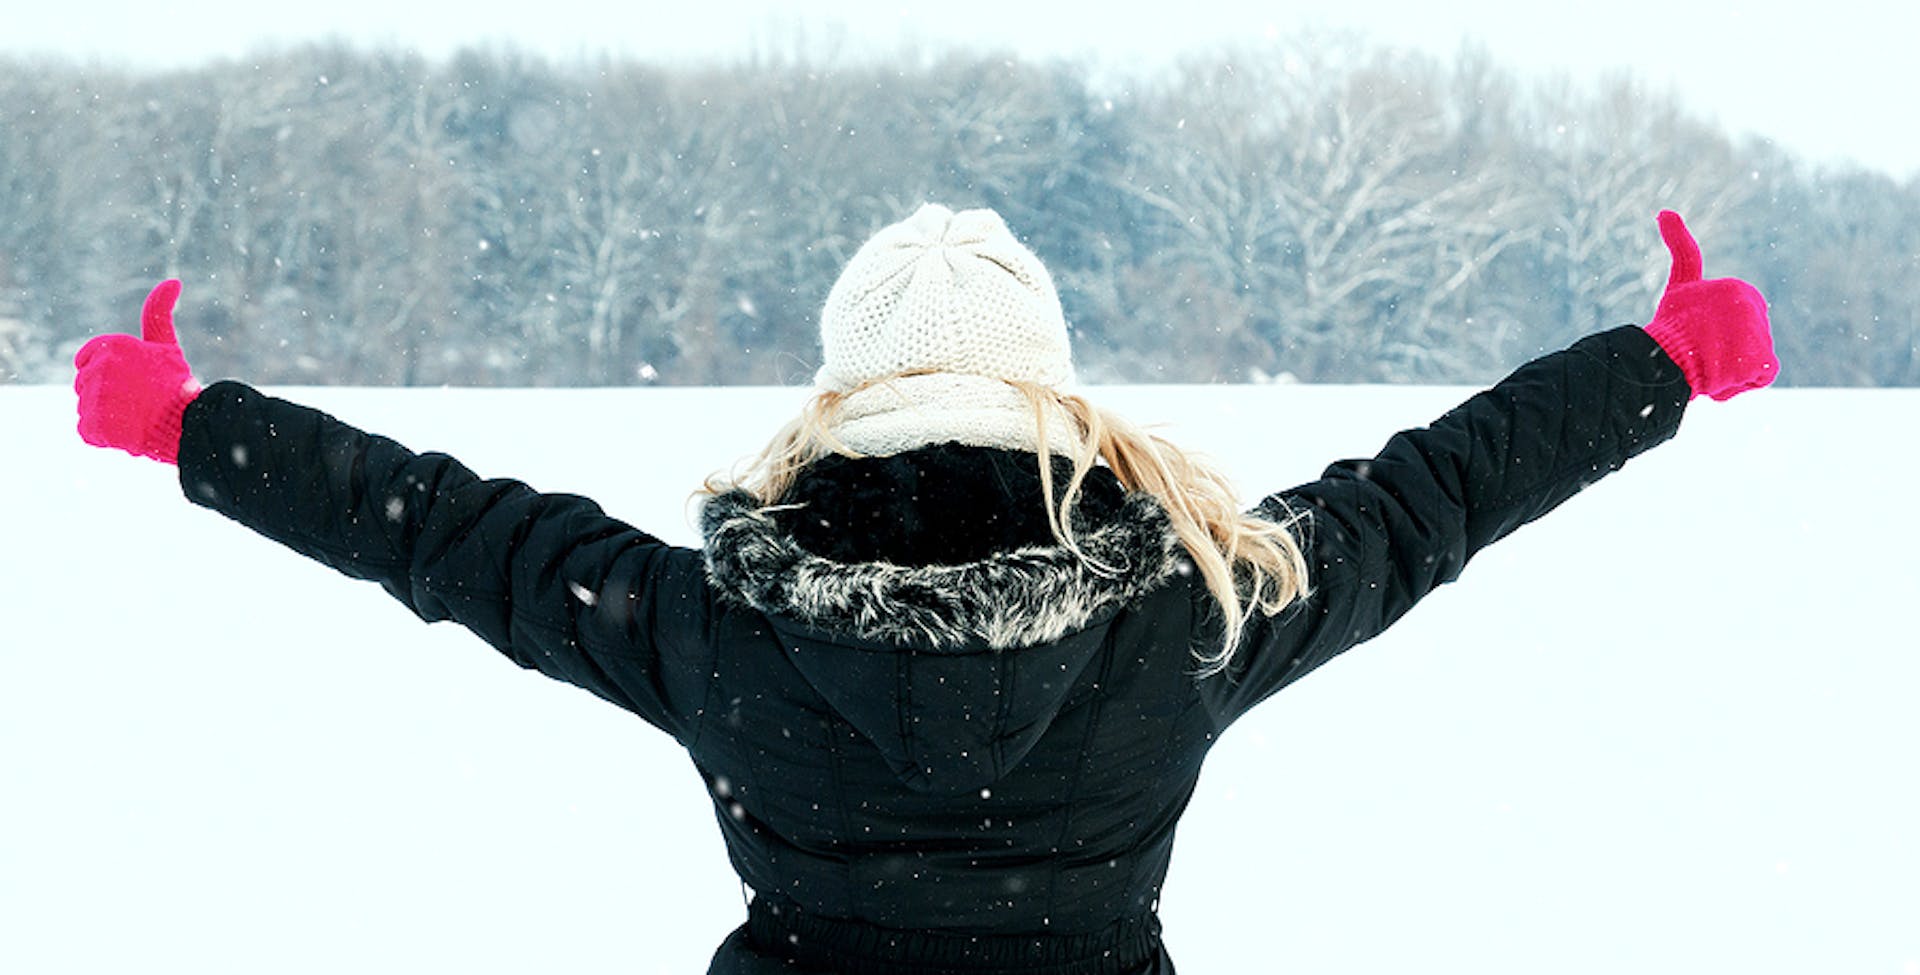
(1326, 210)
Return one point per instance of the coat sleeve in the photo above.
(547, 579)
(1379, 534)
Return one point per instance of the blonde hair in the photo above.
(1249, 563)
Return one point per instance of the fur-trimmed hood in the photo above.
(953, 668)
(1005, 601)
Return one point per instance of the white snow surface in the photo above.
(1670, 728)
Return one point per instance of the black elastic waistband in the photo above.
(778, 927)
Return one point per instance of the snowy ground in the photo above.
(1672, 728)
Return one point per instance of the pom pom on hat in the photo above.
(927, 325)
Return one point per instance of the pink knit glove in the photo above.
(1716, 330)
(133, 391)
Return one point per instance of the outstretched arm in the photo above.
(548, 579)
(1382, 533)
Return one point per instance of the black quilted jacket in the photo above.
(935, 741)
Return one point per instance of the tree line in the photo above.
(1323, 209)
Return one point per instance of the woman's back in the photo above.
(949, 709)
(997, 745)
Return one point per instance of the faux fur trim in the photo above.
(1011, 599)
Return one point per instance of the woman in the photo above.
(958, 641)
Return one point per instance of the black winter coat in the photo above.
(935, 741)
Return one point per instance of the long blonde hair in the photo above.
(1249, 563)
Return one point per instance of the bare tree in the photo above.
(1323, 207)
(1603, 162)
(1325, 195)
(1834, 251)
(63, 149)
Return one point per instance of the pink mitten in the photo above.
(1716, 330)
(133, 391)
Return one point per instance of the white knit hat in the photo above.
(932, 317)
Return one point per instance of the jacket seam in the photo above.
(1097, 707)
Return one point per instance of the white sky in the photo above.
(1832, 81)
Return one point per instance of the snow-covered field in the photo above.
(1670, 729)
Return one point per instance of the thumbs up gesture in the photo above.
(134, 391)
(1716, 330)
